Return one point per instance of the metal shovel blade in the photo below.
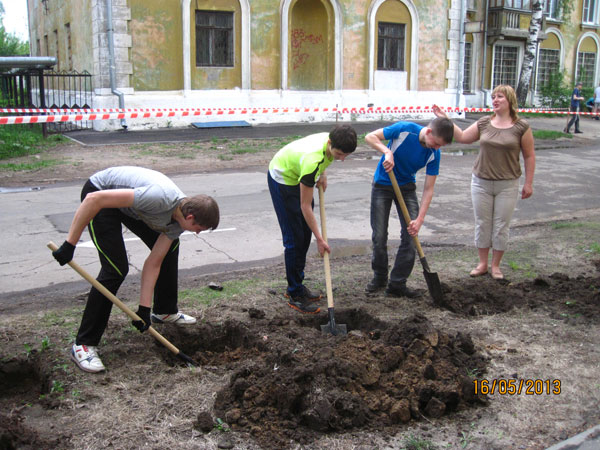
(433, 283)
(332, 327)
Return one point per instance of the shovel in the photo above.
(433, 282)
(113, 298)
(331, 326)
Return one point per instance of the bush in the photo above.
(556, 93)
(22, 140)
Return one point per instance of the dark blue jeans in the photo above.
(294, 230)
(574, 118)
(381, 204)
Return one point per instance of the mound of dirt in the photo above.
(306, 382)
(574, 300)
(14, 434)
(571, 299)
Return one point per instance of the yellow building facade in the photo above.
(349, 53)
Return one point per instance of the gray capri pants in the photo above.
(494, 202)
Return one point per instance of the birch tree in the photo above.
(535, 26)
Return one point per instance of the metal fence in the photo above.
(37, 88)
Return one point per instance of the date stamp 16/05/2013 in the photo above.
(525, 386)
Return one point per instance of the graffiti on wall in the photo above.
(299, 37)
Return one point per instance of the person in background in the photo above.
(502, 137)
(576, 99)
(597, 102)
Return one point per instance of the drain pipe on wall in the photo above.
(484, 55)
(461, 52)
(111, 59)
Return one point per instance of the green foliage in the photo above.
(473, 373)
(222, 426)
(556, 93)
(572, 225)
(10, 45)
(465, 439)
(414, 443)
(57, 386)
(207, 296)
(550, 134)
(45, 343)
(23, 140)
(29, 166)
(566, 7)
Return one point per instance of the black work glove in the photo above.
(144, 324)
(64, 253)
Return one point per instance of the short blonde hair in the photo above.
(511, 97)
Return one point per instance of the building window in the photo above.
(214, 38)
(390, 46)
(468, 67)
(506, 59)
(551, 9)
(517, 4)
(590, 12)
(548, 63)
(586, 64)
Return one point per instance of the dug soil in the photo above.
(510, 364)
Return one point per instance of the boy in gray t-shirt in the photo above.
(151, 206)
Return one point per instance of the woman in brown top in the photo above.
(496, 172)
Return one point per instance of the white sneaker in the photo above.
(86, 358)
(177, 318)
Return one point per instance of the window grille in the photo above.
(506, 60)
(390, 48)
(214, 38)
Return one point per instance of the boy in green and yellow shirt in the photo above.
(293, 173)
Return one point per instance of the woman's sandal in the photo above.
(497, 275)
(477, 272)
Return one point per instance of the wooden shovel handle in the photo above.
(325, 255)
(113, 298)
(404, 210)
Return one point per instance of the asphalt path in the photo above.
(566, 184)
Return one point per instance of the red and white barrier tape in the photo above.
(77, 115)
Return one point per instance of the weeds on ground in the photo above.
(414, 443)
(45, 343)
(473, 373)
(28, 349)
(17, 140)
(30, 166)
(207, 296)
(595, 247)
(526, 268)
(570, 225)
(550, 134)
(221, 426)
(465, 439)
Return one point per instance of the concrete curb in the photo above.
(587, 440)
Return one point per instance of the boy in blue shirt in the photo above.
(410, 148)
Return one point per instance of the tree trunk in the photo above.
(535, 26)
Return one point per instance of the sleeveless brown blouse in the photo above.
(499, 150)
